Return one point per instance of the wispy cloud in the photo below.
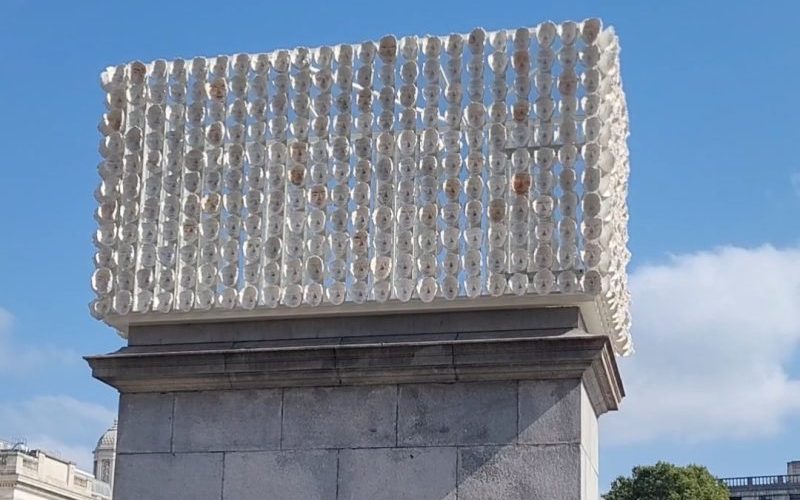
(6, 321)
(60, 424)
(19, 359)
(715, 332)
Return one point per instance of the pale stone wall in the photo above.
(34, 475)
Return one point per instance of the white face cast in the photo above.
(590, 30)
(546, 33)
(568, 31)
(476, 40)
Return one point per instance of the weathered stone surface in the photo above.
(550, 411)
(402, 363)
(398, 474)
(227, 420)
(502, 406)
(457, 414)
(589, 478)
(284, 475)
(463, 321)
(339, 417)
(520, 472)
(157, 476)
(590, 434)
(145, 423)
(181, 368)
(281, 367)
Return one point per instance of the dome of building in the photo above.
(108, 441)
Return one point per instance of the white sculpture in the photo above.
(434, 169)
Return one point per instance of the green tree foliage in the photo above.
(664, 481)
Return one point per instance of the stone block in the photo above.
(167, 476)
(285, 367)
(550, 411)
(342, 326)
(339, 417)
(401, 363)
(520, 472)
(280, 475)
(397, 474)
(227, 420)
(457, 414)
(590, 489)
(590, 434)
(145, 423)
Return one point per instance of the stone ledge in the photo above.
(351, 328)
(187, 367)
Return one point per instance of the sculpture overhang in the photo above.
(486, 169)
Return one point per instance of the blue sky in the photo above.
(714, 200)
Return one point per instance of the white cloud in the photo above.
(714, 333)
(21, 359)
(6, 320)
(60, 424)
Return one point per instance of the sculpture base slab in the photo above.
(462, 405)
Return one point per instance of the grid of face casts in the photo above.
(417, 168)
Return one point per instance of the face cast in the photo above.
(521, 111)
(359, 243)
(521, 61)
(592, 128)
(568, 56)
(409, 71)
(453, 93)
(405, 242)
(235, 154)
(452, 188)
(301, 81)
(455, 45)
(215, 134)
(383, 217)
(281, 61)
(138, 71)
(409, 47)
(522, 39)
(476, 40)
(433, 47)
(521, 183)
(241, 63)
(367, 52)
(497, 210)
(591, 80)
(324, 56)
(301, 58)
(218, 89)
(546, 34)
(498, 40)
(178, 69)
(405, 217)
(344, 55)
(498, 61)
(260, 64)
(590, 30)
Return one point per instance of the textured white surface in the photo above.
(407, 170)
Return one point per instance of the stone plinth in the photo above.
(468, 405)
